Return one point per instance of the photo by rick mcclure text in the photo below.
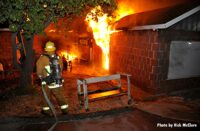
(171, 125)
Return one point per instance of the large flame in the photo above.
(100, 24)
(98, 21)
(123, 9)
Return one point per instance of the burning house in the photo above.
(158, 47)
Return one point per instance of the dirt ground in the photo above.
(28, 105)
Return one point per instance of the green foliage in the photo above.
(32, 16)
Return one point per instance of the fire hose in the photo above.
(51, 107)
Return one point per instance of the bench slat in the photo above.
(102, 78)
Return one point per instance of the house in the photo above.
(159, 48)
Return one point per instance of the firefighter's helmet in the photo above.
(50, 46)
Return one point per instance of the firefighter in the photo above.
(49, 69)
(64, 60)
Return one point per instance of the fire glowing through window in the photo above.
(68, 56)
(100, 24)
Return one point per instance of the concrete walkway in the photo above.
(172, 108)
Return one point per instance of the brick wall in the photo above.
(5, 48)
(136, 52)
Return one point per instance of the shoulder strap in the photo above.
(46, 55)
(56, 56)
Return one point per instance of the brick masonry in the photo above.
(145, 55)
(5, 48)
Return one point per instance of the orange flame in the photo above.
(123, 9)
(98, 21)
(100, 24)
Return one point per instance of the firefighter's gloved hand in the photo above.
(42, 80)
(40, 77)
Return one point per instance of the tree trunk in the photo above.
(26, 66)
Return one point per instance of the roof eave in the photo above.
(167, 24)
(148, 27)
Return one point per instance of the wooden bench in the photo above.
(83, 93)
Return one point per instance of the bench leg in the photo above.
(119, 83)
(85, 91)
(79, 92)
(79, 88)
(129, 90)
